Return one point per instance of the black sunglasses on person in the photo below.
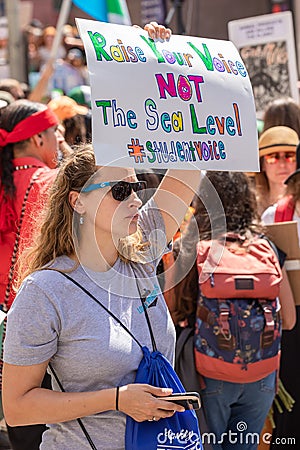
(120, 190)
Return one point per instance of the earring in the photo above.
(81, 220)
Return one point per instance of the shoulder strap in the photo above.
(84, 430)
(102, 306)
(285, 209)
(143, 298)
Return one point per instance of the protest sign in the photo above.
(182, 104)
(266, 45)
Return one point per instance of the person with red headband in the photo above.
(29, 146)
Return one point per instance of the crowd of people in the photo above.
(63, 356)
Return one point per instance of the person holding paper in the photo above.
(277, 151)
(95, 232)
(288, 209)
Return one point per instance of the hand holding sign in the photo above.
(182, 104)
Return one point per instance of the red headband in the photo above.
(34, 124)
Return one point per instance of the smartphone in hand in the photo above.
(189, 400)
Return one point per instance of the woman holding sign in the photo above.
(95, 233)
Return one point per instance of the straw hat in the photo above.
(66, 108)
(297, 166)
(278, 139)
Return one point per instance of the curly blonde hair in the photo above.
(59, 231)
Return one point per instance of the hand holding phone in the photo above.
(189, 400)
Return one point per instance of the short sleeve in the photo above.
(153, 228)
(32, 327)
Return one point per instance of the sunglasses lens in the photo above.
(274, 158)
(122, 190)
(290, 157)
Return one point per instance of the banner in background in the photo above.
(181, 104)
(114, 11)
(266, 45)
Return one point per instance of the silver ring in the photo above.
(153, 419)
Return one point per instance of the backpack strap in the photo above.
(225, 340)
(224, 319)
(285, 209)
(269, 329)
(79, 421)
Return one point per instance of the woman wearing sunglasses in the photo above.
(277, 151)
(285, 210)
(94, 231)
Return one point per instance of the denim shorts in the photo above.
(236, 412)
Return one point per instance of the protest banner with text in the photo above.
(267, 46)
(181, 104)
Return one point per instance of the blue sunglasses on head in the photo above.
(120, 190)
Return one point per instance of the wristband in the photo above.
(117, 398)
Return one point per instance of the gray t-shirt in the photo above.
(51, 318)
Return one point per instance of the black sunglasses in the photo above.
(120, 190)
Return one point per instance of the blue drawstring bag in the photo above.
(181, 431)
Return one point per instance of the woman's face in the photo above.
(278, 166)
(107, 215)
(50, 146)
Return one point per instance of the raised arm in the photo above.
(174, 196)
(40, 90)
(288, 310)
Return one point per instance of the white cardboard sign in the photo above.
(267, 46)
(181, 104)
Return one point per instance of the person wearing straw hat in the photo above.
(285, 210)
(277, 152)
(288, 207)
